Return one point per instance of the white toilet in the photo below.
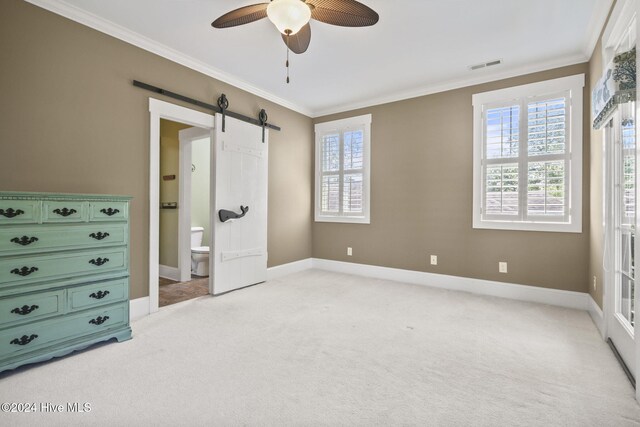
(199, 254)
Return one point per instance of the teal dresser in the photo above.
(64, 274)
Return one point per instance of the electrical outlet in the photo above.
(434, 259)
(502, 267)
(595, 283)
(349, 252)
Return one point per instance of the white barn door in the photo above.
(239, 254)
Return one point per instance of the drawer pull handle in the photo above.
(99, 235)
(10, 213)
(99, 294)
(24, 271)
(99, 261)
(110, 211)
(24, 240)
(24, 310)
(24, 340)
(99, 320)
(64, 211)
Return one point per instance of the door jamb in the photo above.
(186, 138)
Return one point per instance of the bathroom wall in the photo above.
(200, 178)
(169, 191)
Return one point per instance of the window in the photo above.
(527, 157)
(342, 170)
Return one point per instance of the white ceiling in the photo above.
(418, 47)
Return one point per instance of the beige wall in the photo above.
(73, 122)
(596, 241)
(200, 188)
(421, 199)
(169, 190)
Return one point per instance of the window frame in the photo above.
(341, 126)
(573, 87)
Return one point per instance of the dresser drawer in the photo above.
(28, 269)
(41, 238)
(67, 211)
(25, 308)
(95, 294)
(108, 211)
(33, 336)
(19, 211)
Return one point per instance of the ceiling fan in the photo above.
(292, 17)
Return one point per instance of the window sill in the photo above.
(553, 227)
(343, 219)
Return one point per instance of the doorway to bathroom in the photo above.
(238, 200)
(184, 238)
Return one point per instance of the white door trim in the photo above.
(637, 242)
(163, 110)
(621, 18)
(186, 138)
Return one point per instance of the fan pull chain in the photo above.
(288, 36)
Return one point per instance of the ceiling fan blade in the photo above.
(299, 42)
(241, 16)
(344, 13)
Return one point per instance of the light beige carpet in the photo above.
(320, 348)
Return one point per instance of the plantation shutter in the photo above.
(548, 159)
(342, 172)
(526, 159)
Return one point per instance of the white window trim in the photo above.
(341, 126)
(573, 84)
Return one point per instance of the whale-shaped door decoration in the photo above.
(226, 215)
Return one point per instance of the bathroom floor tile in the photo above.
(172, 292)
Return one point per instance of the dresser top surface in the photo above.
(22, 195)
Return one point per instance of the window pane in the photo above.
(546, 188)
(546, 127)
(628, 171)
(629, 182)
(501, 196)
(331, 193)
(502, 137)
(627, 295)
(331, 153)
(626, 252)
(628, 132)
(353, 150)
(352, 193)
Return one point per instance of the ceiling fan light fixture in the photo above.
(289, 16)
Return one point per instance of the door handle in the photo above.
(226, 215)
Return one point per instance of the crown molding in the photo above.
(90, 20)
(456, 84)
(596, 24)
(105, 26)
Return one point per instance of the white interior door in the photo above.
(621, 150)
(239, 255)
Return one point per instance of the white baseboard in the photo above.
(577, 300)
(596, 315)
(170, 273)
(289, 268)
(138, 308)
(557, 297)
